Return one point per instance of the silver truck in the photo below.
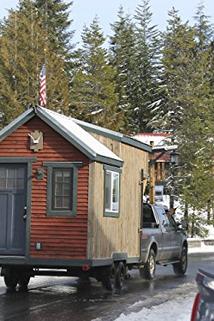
(163, 242)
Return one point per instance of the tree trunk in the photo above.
(193, 225)
(186, 216)
(208, 212)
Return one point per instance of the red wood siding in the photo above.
(61, 237)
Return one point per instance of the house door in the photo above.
(13, 199)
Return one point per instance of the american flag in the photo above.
(42, 87)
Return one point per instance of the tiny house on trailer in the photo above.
(70, 198)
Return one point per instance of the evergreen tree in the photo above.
(203, 29)
(196, 132)
(122, 49)
(147, 54)
(23, 51)
(56, 22)
(177, 66)
(94, 97)
(186, 107)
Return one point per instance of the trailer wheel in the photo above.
(23, 281)
(148, 271)
(10, 278)
(105, 277)
(106, 283)
(119, 276)
(181, 267)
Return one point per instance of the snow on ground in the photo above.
(202, 249)
(210, 232)
(176, 310)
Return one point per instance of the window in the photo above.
(166, 221)
(62, 188)
(148, 217)
(112, 191)
(12, 177)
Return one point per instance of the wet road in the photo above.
(63, 299)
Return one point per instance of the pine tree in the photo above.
(23, 51)
(94, 97)
(56, 22)
(186, 108)
(203, 28)
(122, 48)
(177, 66)
(147, 54)
(196, 132)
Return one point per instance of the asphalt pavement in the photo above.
(63, 299)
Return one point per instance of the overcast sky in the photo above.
(84, 11)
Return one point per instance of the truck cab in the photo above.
(163, 241)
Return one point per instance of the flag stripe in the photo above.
(42, 87)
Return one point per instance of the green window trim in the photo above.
(51, 167)
(117, 171)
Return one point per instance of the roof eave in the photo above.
(114, 135)
(16, 123)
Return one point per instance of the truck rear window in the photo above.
(148, 217)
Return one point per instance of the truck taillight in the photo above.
(195, 307)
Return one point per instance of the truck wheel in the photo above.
(181, 267)
(148, 271)
(10, 278)
(119, 276)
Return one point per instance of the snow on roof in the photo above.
(113, 134)
(159, 139)
(78, 134)
(99, 128)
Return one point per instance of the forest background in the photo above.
(140, 79)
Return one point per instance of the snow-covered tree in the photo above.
(175, 76)
(146, 60)
(196, 132)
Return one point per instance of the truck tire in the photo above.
(119, 276)
(148, 271)
(181, 267)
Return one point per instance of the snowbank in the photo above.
(176, 310)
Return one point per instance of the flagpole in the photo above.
(42, 78)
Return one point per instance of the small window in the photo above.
(12, 177)
(62, 188)
(112, 193)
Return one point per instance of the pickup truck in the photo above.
(163, 242)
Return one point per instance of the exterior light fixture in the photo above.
(39, 174)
